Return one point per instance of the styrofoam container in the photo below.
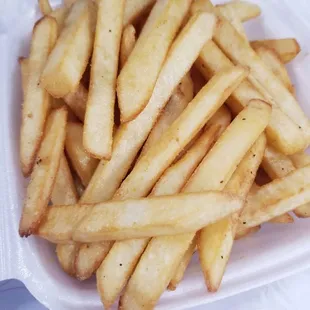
(275, 252)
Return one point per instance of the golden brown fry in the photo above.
(176, 105)
(127, 44)
(134, 9)
(276, 198)
(246, 232)
(241, 53)
(281, 132)
(82, 162)
(134, 87)
(36, 99)
(130, 137)
(44, 173)
(45, 7)
(69, 58)
(83, 267)
(273, 61)
(287, 49)
(243, 10)
(99, 117)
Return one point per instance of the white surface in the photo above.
(275, 252)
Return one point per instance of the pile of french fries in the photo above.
(146, 126)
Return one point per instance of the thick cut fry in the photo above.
(130, 137)
(36, 99)
(132, 295)
(273, 61)
(44, 173)
(134, 9)
(45, 7)
(171, 181)
(176, 105)
(243, 10)
(97, 252)
(156, 216)
(282, 132)
(76, 100)
(68, 60)
(82, 162)
(134, 84)
(99, 117)
(246, 232)
(287, 49)
(110, 286)
(179, 273)
(216, 240)
(66, 255)
(276, 198)
(127, 43)
(150, 167)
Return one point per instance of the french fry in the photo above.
(134, 87)
(99, 117)
(45, 7)
(281, 132)
(220, 236)
(189, 123)
(179, 273)
(36, 99)
(44, 173)
(66, 255)
(243, 10)
(287, 49)
(276, 198)
(60, 15)
(301, 160)
(127, 44)
(130, 137)
(273, 61)
(285, 218)
(110, 277)
(134, 9)
(68, 59)
(246, 232)
(98, 251)
(76, 100)
(175, 247)
(176, 105)
(241, 53)
(82, 162)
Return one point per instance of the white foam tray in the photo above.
(275, 252)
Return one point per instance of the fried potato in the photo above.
(243, 10)
(150, 167)
(97, 251)
(130, 137)
(134, 87)
(246, 232)
(282, 132)
(76, 100)
(179, 273)
(110, 285)
(82, 162)
(133, 294)
(99, 117)
(127, 43)
(220, 236)
(45, 7)
(273, 61)
(36, 100)
(66, 255)
(134, 9)
(261, 76)
(276, 198)
(174, 108)
(60, 15)
(285, 218)
(287, 49)
(44, 173)
(68, 59)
